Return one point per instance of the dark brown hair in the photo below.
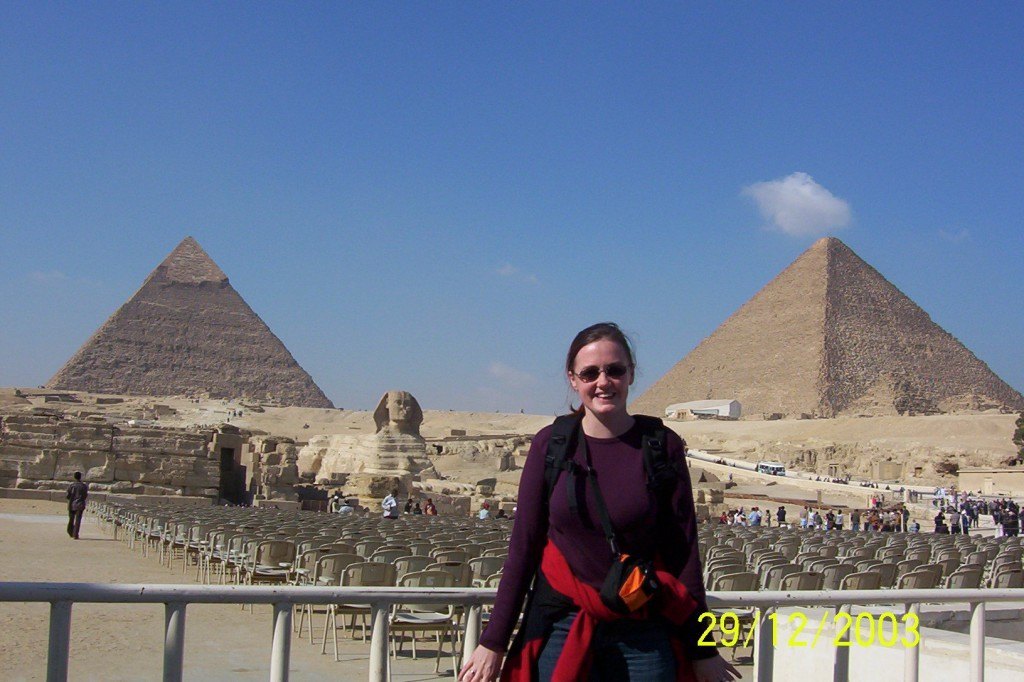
(596, 332)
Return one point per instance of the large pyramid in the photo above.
(831, 336)
(186, 331)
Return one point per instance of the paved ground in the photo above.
(124, 641)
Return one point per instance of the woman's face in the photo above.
(605, 395)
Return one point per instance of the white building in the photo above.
(713, 408)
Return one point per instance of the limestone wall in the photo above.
(42, 451)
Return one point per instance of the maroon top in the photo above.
(619, 466)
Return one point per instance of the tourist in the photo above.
(334, 504)
(558, 547)
(855, 520)
(754, 518)
(780, 516)
(1010, 521)
(390, 505)
(408, 506)
(346, 507)
(429, 509)
(485, 512)
(501, 514)
(914, 526)
(417, 510)
(77, 494)
(840, 520)
(805, 517)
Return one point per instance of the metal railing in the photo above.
(61, 597)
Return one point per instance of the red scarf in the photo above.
(674, 604)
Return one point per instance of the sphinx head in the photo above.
(398, 411)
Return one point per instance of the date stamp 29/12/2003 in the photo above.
(861, 630)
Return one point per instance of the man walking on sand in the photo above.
(77, 494)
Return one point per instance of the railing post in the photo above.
(978, 641)
(472, 635)
(841, 666)
(281, 648)
(379, 642)
(174, 641)
(764, 645)
(912, 654)
(60, 641)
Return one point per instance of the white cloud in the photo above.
(509, 270)
(51, 277)
(798, 206)
(511, 377)
(955, 236)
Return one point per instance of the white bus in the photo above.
(773, 468)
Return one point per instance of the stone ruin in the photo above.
(274, 471)
(370, 466)
(41, 450)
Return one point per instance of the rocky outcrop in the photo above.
(43, 451)
(186, 331)
(830, 336)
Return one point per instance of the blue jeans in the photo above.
(621, 650)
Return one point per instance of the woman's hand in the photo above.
(483, 665)
(714, 669)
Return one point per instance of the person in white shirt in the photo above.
(390, 505)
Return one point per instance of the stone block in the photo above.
(18, 453)
(45, 428)
(43, 466)
(23, 494)
(20, 420)
(189, 446)
(37, 442)
(87, 432)
(95, 466)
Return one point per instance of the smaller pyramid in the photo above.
(830, 336)
(186, 331)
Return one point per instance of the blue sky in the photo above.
(437, 196)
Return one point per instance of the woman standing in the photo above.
(568, 631)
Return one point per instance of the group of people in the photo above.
(875, 519)
(959, 512)
(755, 517)
(339, 504)
(485, 513)
(390, 506)
(1006, 515)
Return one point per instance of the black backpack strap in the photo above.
(559, 457)
(662, 476)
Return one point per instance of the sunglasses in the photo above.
(615, 370)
